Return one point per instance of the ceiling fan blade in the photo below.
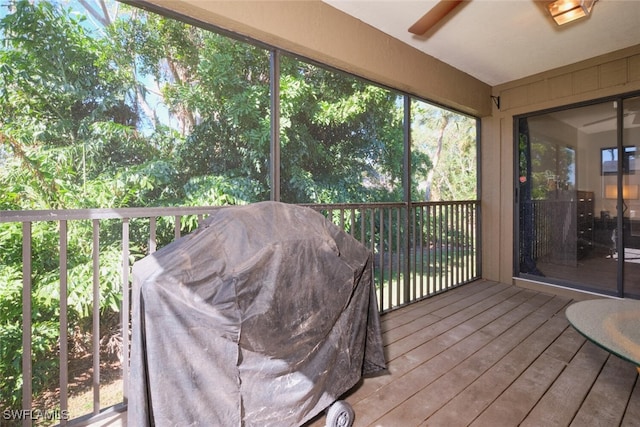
(435, 15)
(635, 122)
(596, 122)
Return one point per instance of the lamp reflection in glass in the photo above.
(565, 11)
(629, 192)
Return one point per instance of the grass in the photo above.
(82, 403)
(80, 389)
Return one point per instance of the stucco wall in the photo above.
(608, 75)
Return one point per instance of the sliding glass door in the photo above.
(577, 198)
(629, 250)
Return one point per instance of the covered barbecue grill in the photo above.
(264, 316)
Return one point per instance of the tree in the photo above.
(443, 154)
(342, 138)
(65, 127)
(119, 107)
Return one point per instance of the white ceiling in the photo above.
(498, 41)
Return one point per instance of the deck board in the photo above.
(565, 396)
(529, 372)
(440, 349)
(469, 359)
(632, 413)
(489, 354)
(471, 402)
(455, 323)
(608, 397)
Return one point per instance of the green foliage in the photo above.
(443, 154)
(10, 334)
(55, 79)
(144, 110)
(341, 137)
(44, 336)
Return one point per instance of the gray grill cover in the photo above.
(263, 316)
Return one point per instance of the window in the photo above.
(609, 160)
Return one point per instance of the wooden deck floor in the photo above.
(489, 354)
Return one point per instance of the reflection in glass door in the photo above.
(575, 228)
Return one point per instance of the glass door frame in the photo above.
(620, 205)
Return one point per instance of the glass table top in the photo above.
(610, 323)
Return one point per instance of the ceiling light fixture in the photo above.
(565, 11)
